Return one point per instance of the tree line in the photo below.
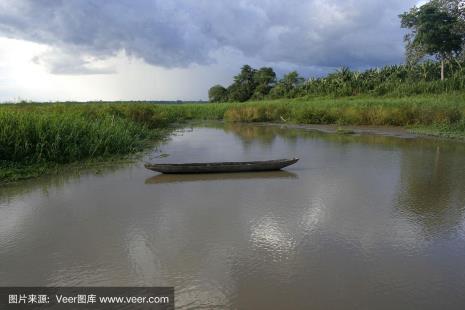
(435, 59)
(256, 84)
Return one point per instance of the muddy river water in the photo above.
(360, 222)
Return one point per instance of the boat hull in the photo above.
(222, 167)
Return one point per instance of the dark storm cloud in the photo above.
(357, 33)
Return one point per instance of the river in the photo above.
(360, 222)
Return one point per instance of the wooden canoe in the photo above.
(219, 167)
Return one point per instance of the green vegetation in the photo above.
(437, 30)
(396, 80)
(36, 137)
(441, 113)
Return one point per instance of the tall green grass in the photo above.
(64, 133)
(65, 137)
(443, 110)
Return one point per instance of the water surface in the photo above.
(360, 222)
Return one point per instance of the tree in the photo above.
(287, 85)
(237, 92)
(435, 30)
(292, 80)
(244, 85)
(264, 79)
(457, 9)
(217, 93)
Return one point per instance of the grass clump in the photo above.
(64, 138)
(447, 111)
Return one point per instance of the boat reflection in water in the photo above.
(177, 178)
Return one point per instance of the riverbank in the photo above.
(440, 115)
(36, 138)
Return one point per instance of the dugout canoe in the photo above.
(221, 167)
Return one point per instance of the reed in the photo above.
(65, 137)
(447, 111)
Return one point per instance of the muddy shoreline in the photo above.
(389, 131)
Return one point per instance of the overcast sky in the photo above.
(168, 50)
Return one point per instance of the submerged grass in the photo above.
(35, 137)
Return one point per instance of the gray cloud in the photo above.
(312, 33)
(70, 63)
